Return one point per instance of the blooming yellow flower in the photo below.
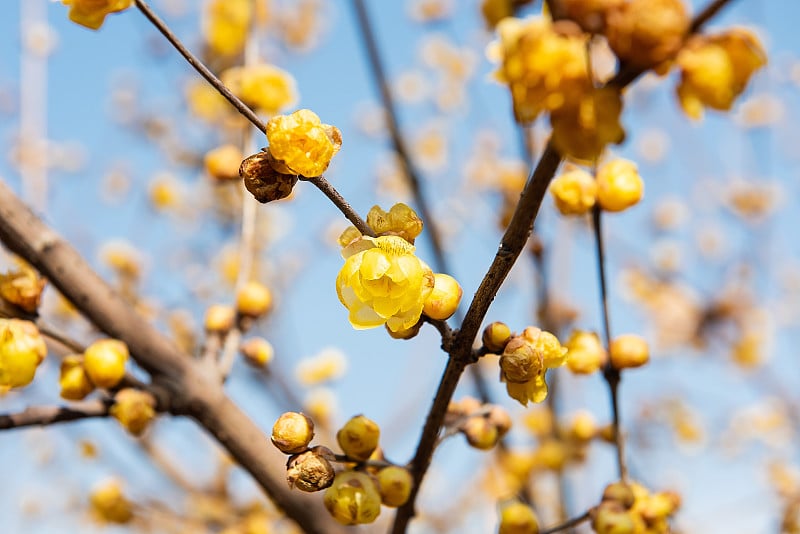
(524, 362)
(383, 282)
(619, 185)
(225, 25)
(22, 349)
(92, 13)
(262, 86)
(301, 143)
(545, 68)
(574, 192)
(22, 288)
(716, 69)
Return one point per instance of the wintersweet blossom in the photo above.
(383, 282)
(301, 144)
(524, 362)
(92, 13)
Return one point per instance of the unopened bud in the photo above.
(518, 518)
(394, 484)
(628, 350)
(73, 380)
(611, 518)
(480, 433)
(620, 493)
(254, 299)
(292, 432)
(109, 504)
(353, 499)
(499, 418)
(222, 163)
(310, 471)
(519, 362)
(443, 301)
(407, 333)
(134, 409)
(495, 336)
(104, 361)
(219, 318)
(263, 181)
(359, 437)
(22, 288)
(257, 351)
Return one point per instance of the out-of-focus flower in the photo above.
(22, 288)
(225, 25)
(22, 349)
(645, 33)
(394, 484)
(109, 504)
(328, 364)
(104, 361)
(383, 282)
(574, 192)
(583, 128)
(518, 518)
(301, 143)
(619, 185)
(73, 380)
(134, 409)
(222, 163)
(586, 354)
(92, 13)
(261, 86)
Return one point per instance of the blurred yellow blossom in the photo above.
(619, 185)
(574, 191)
(92, 13)
(329, 364)
(22, 349)
(225, 25)
(262, 87)
(109, 504)
(22, 288)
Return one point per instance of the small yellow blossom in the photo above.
(619, 185)
(222, 163)
(109, 503)
(22, 288)
(353, 499)
(524, 362)
(134, 409)
(292, 432)
(104, 361)
(518, 518)
(359, 437)
(495, 336)
(383, 282)
(329, 364)
(582, 129)
(263, 87)
(586, 354)
(73, 380)
(257, 351)
(628, 350)
(543, 64)
(92, 13)
(716, 69)
(254, 299)
(302, 143)
(225, 26)
(22, 349)
(205, 102)
(574, 192)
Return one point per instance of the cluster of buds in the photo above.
(525, 360)
(482, 425)
(629, 508)
(22, 288)
(616, 187)
(308, 469)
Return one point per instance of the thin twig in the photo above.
(338, 200)
(611, 374)
(575, 521)
(200, 67)
(48, 415)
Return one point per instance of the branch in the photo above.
(568, 524)
(48, 415)
(338, 200)
(191, 388)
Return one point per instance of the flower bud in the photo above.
(310, 471)
(253, 300)
(620, 493)
(480, 433)
(611, 518)
(659, 506)
(400, 220)
(109, 504)
(134, 409)
(519, 362)
(499, 418)
(394, 485)
(619, 185)
(574, 192)
(257, 351)
(582, 428)
(628, 350)
(518, 518)
(353, 499)
(551, 454)
(359, 437)
(292, 432)
(22, 349)
(223, 162)
(104, 361)
(219, 318)
(444, 299)
(495, 336)
(22, 288)
(585, 353)
(644, 33)
(73, 380)
(263, 181)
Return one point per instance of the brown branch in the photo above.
(48, 415)
(338, 200)
(575, 521)
(190, 388)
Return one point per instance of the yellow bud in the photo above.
(254, 299)
(222, 163)
(519, 362)
(444, 299)
(582, 428)
(620, 493)
(311, 471)
(394, 484)
(92, 14)
(73, 380)
(480, 433)
(359, 437)
(659, 506)
(353, 499)
(219, 318)
(104, 361)
(574, 192)
(495, 336)
(400, 220)
(585, 353)
(134, 409)
(619, 185)
(611, 518)
(257, 351)
(22, 288)
(22, 349)
(629, 350)
(292, 432)
(349, 235)
(109, 504)
(518, 518)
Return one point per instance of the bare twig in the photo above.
(48, 415)
(575, 521)
(324, 185)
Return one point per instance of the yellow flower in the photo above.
(301, 143)
(75, 383)
(582, 130)
(205, 102)
(264, 87)
(524, 362)
(109, 503)
(574, 192)
(222, 163)
(544, 67)
(619, 185)
(22, 288)
(226, 24)
(92, 13)
(518, 518)
(22, 349)
(134, 409)
(716, 69)
(383, 282)
(586, 353)
(104, 361)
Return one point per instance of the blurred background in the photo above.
(105, 134)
